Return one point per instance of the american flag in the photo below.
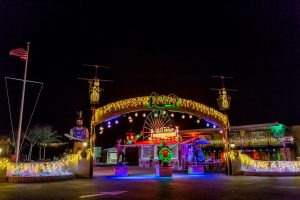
(20, 52)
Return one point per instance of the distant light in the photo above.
(144, 114)
(85, 144)
(207, 124)
(198, 121)
(172, 114)
(101, 130)
(130, 120)
(129, 117)
(183, 116)
(155, 115)
(108, 126)
(214, 126)
(136, 114)
(191, 116)
(221, 131)
(108, 122)
(116, 122)
(164, 112)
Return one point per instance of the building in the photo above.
(267, 141)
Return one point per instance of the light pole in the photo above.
(94, 93)
(224, 101)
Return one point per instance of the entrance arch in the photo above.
(176, 104)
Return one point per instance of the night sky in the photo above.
(166, 47)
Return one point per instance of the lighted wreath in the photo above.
(165, 154)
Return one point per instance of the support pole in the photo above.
(21, 107)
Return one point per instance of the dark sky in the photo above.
(164, 46)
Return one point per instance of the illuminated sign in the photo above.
(165, 133)
(162, 101)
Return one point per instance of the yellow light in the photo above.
(85, 144)
(141, 103)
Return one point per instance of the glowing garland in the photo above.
(141, 103)
(165, 154)
(252, 165)
(65, 166)
(251, 141)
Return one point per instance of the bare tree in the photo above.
(33, 137)
(48, 136)
(41, 136)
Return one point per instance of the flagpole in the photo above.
(21, 107)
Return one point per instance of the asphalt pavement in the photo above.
(141, 183)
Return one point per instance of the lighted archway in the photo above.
(115, 109)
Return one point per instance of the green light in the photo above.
(165, 154)
(278, 130)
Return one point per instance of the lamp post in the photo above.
(224, 101)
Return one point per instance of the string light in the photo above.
(101, 129)
(144, 114)
(140, 103)
(116, 122)
(198, 121)
(136, 114)
(65, 166)
(172, 114)
(108, 124)
(183, 116)
(191, 116)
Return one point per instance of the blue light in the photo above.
(154, 177)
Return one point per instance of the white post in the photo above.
(21, 107)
